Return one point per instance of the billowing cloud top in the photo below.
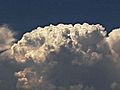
(51, 38)
(63, 57)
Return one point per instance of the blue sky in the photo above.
(25, 15)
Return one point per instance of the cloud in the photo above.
(8, 65)
(6, 38)
(114, 43)
(49, 39)
(63, 57)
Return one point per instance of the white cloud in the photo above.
(37, 44)
(64, 57)
(114, 43)
(81, 45)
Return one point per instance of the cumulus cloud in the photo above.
(63, 57)
(50, 39)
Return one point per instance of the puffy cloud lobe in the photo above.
(114, 43)
(66, 57)
(28, 78)
(114, 40)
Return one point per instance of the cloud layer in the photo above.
(62, 57)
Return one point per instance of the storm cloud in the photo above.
(61, 57)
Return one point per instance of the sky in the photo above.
(25, 15)
(59, 45)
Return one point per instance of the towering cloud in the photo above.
(50, 39)
(65, 57)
